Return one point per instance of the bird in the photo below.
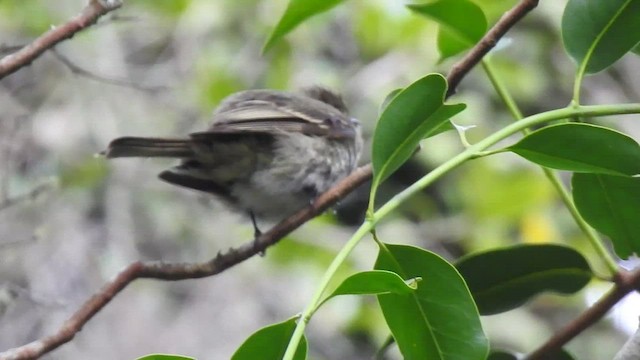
(267, 153)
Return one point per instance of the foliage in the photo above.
(439, 320)
(432, 303)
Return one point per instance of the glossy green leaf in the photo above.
(165, 357)
(597, 33)
(562, 355)
(439, 319)
(388, 99)
(376, 282)
(503, 279)
(581, 148)
(270, 343)
(297, 11)
(611, 204)
(414, 113)
(462, 24)
(446, 126)
(503, 355)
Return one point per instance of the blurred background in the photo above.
(70, 220)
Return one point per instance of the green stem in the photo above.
(489, 153)
(397, 200)
(312, 306)
(591, 235)
(502, 91)
(588, 231)
(577, 85)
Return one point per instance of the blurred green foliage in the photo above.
(33, 17)
(206, 50)
(84, 175)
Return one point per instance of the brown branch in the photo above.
(488, 42)
(179, 271)
(624, 284)
(88, 16)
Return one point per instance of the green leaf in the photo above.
(414, 113)
(388, 99)
(270, 343)
(611, 204)
(503, 355)
(462, 24)
(165, 357)
(376, 282)
(581, 148)
(446, 126)
(597, 33)
(439, 319)
(506, 278)
(297, 11)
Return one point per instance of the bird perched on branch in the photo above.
(267, 153)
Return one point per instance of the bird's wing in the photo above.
(260, 116)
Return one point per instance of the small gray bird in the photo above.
(267, 153)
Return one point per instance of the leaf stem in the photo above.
(502, 91)
(591, 234)
(397, 200)
(489, 153)
(315, 301)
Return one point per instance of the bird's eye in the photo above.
(331, 121)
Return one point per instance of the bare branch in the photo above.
(30, 195)
(179, 271)
(624, 284)
(90, 75)
(25, 56)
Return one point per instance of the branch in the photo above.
(624, 284)
(223, 261)
(181, 271)
(488, 42)
(88, 16)
(77, 70)
(30, 195)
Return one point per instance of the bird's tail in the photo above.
(149, 147)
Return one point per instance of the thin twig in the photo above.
(179, 271)
(90, 75)
(88, 16)
(625, 283)
(30, 195)
(9, 49)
